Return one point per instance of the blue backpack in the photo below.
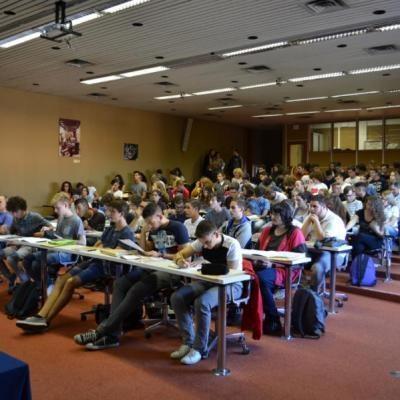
(362, 271)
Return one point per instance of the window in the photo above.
(392, 134)
(321, 137)
(370, 134)
(344, 135)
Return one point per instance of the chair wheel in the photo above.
(340, 304)
(83, 317)
(147, 335)
(245, 351)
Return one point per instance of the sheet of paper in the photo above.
(130, 243)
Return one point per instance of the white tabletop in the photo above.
(339, 249)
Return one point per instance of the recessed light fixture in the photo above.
(341, 46)
(386, 28)
(266, 115)
(144, 71)
(315, 77)
(355, 94)
(225, 107)
(108, 78)
(307, 99)
(255, 49)
(85, 18)
(344, 110)
(374, 69)
(382, 107)
(379, 12)
(252, 37)
(124, 6)
(9, 12)
(137, 24)
(333, 36)
(258, 85)
(393, 91)
(173, 96)
(159, 57)
(303, 112)
(204, 92)
(56, 48)
(35, 84)
(242, 63)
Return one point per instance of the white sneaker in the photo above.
(193, 357)
(181, 352)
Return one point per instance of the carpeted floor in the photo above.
(352, 361)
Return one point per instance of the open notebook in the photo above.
(260, 255)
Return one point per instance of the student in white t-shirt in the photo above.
(316, 184)
(192, 210)
(392, 214)
(115, 190)
(351, 203)
(319, 225)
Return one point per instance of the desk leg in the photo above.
(43, 274)
(221, 369)
(332, 282)
(288, 303)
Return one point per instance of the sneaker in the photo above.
(33, 324)
(105, 342)
(87, 337)
(193, 357)
(181, 352)
(272, 328)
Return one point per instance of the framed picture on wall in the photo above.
(69, 137)
(131, 151)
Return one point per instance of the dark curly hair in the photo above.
(285, 211)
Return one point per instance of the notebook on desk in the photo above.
(260, 255)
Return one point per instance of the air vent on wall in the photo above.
(76, 62)
(255, 69)
(97, 94)
(165, 83)
(325, 6)
(225, 99)
(384, 49)
(348, 102)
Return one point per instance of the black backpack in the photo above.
(24, 301)
(308, 314)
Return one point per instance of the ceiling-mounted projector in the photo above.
(61, 29)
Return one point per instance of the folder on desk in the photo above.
(113, 252)
(61, 242)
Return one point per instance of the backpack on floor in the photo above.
(24, 301)
(308, 314)
(362, 271)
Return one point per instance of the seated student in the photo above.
(238, 176)
(329, 178)
(25, 223)
(352, 178)
(222, 184)
(334, 203)
(316, 184)
(192, 209)
(66, 187)
(135, 219)
(371, 221)
(322, 223)
(281, 235)
(340, 180)
(139, 185)
(105, 202)
(84, 194)
(79, 276)
(256, 203)
(215, 248)
(351, 203)
(93, 220)
(361, 189)
(157, 198)
(301, 203)
(121, 183)
(217, 214)
(180, 189)
(69, 226)
(395, 196)
(6, 220)
(239, 226)
(115, 190)
(165, 238)
(392, 214)
(178, 212)
(233, 194)
(376, 180)
(273, 194)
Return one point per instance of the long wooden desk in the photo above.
(222, 281)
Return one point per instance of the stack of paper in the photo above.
(260, 255)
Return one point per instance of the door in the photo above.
(296, 153)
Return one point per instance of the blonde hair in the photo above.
(238, 171)
(61, 197)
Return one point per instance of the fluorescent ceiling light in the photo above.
(101, 79)
(342, 110)
(267, 115)
(307, 99)
(18, 39)
(259, 85)
(85, 18)
(229, 89)
(303, 112)
(124, 6)
(355, 94)
(173, 96)
(314, 77)
(144, 71)
(333, 36)
(386, 28)
(382, 107)
(374, 69)
(224, 107)
(255, 49)
(393, 91)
